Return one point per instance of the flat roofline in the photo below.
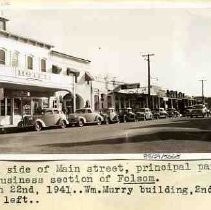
(70, 56)
(25, 39)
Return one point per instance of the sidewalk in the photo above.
(12, 129)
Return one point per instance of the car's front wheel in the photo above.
(81, 123)
(99, 121)
(63, 124)
(38, 126)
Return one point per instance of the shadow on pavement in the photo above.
(199, 123)
(170, 135)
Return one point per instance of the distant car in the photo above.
(109, 115)
(187, 111)
(45, 118)
(127, 115)
(172, 112)
(160, 113)
(199, 110)
(85, 116)
(144, 114)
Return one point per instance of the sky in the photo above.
(115, 40)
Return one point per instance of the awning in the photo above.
(73, 71)
(88, 76)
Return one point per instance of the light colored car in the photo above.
(144, 114)
(160, 113)
(46, 118)
(85, 116)
(199, 110)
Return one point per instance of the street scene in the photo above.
(165, 135)
(101, 85)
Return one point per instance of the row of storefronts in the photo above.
(34, 76)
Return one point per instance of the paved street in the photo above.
(166, 135)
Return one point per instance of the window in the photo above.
(56, 69)
(30, 62)
(43, 65)
(15, 59)
(3, 107)
(2, 57)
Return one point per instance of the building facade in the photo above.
(33, 75)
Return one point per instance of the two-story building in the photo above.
(33, 75)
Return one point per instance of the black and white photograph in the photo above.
(105, 80)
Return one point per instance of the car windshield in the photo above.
(79, 111)
(47, 111)
(199, 106)
(141, 110)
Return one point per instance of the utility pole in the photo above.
(202, 90)
(147, 58)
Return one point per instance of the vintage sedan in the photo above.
(187, 111)
(109, 116)
(127, 115)
(144, 114)
(172, 112)
(199, 110)
(85, 116)
(160, 113)
(45, 118)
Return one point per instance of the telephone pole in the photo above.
(147, 58)
(202, 90)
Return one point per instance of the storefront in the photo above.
(15, 104)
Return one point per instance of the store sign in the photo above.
(33, 75)
(130, 86)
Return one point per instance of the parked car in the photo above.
(109, 115)
(187, 111)
(199, 110)
(144, 114)
(160, 113)
(85, 116)
(45, 118)
(127, 115)
(172, 112)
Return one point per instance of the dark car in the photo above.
(172, 112)
(160, 113)
(127, 115)
(187, 111)
(199, 110)
(109, 115)
(144, 114)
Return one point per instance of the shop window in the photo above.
(3, 107)
(109, 101)
(2, 57)
(43, 65)
(17, 106)
(8, 106)
(30, 62)
(15, 59)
